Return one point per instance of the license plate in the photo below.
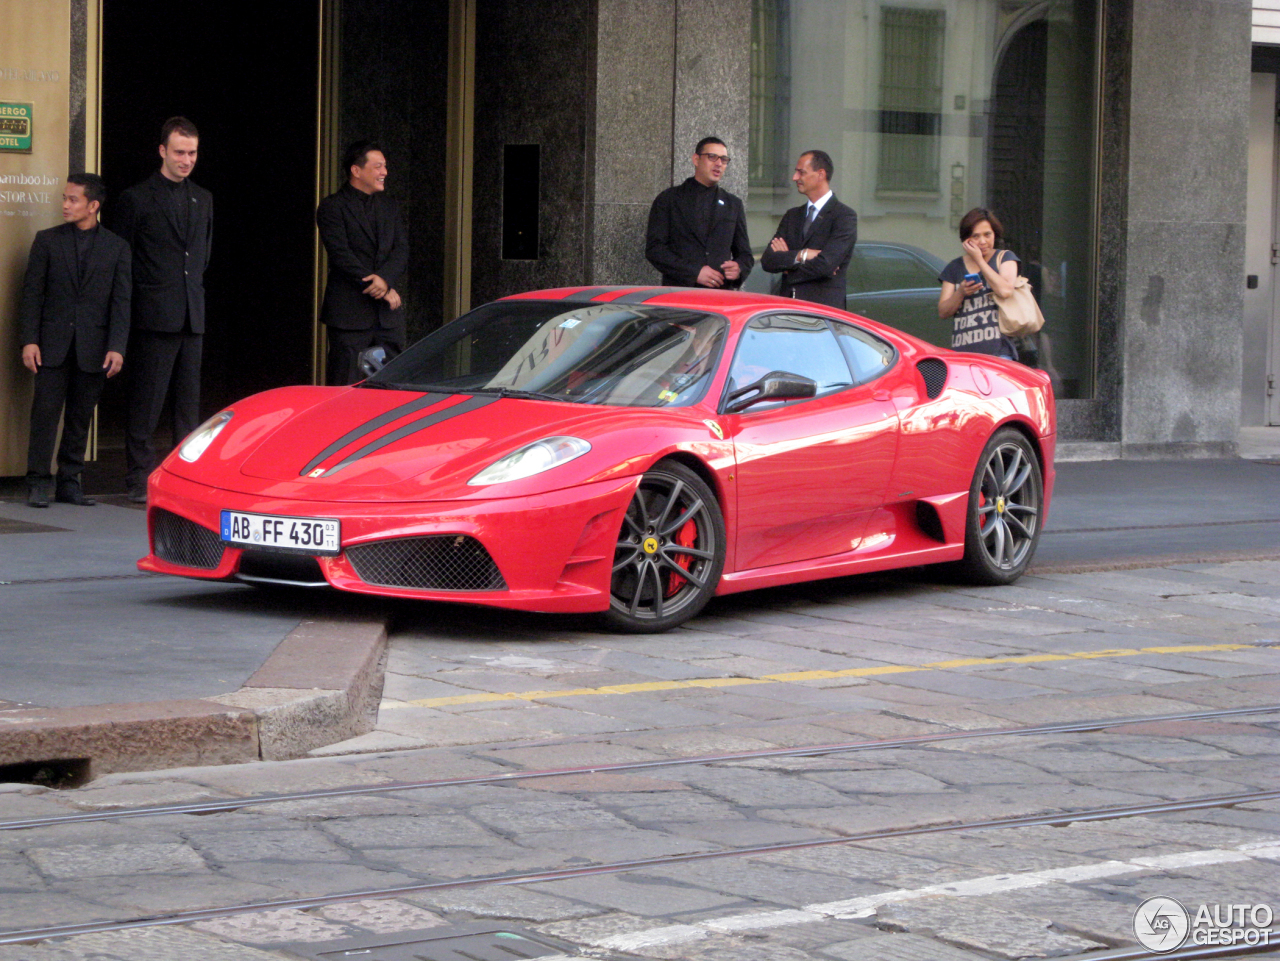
(308, 535)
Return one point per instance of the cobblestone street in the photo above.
(484, 696)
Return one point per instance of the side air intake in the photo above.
(934, 372)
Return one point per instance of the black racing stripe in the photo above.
(468, 405)
(593, 292)
(426, 400)
(640, 296)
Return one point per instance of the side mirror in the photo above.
(775, 385)
(373, 359)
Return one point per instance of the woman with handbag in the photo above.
(977, 285)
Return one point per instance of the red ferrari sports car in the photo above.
(629, 451)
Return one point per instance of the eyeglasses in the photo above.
(716, 158)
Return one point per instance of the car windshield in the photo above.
(622, 355)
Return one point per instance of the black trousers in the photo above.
(159, 364)
(79, 391)
(343, 365)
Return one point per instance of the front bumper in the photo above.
(554, 551)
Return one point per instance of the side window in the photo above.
(791, 343)
(889, 268)
(868, 356)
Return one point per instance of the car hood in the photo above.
(379, 445)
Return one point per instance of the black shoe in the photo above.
(37, 495)
(136, 497)
(72, 494)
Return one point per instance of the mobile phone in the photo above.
(973, 278)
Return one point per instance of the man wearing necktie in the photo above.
(74, 323)
(697, 234)
(814, 241)
(168, 221)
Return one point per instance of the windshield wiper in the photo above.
(391, 385)
(520, 394)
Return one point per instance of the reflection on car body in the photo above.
(630, 452)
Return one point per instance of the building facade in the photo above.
(1122, 143)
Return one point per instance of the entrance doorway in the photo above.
(250, 89)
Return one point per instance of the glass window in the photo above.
(910, 99)
(930, 108)
(792, 344)
(868, 356)
(637, 356)
(885, 267)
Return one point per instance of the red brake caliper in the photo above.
(982, 502)
(686, 537)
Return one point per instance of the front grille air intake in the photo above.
(185, 543)
(437, 562)
(272, 567)
(934, 372)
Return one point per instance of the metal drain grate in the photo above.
(183, 542)
(438, 562)
(469, 942)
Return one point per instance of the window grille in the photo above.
(768, 165)
(910, 99)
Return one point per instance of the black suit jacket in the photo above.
(58, 304)
(678, 248)
(168, 268)
(820, 280)
(360, 244)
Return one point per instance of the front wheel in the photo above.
(669, 553)
(1005, 504)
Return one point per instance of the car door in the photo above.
(809, 472)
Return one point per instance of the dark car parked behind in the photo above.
(896, 284)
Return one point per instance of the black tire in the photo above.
(669, 554)
(1004, 516)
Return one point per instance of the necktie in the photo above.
(808, 220)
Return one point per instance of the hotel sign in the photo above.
(15, 127)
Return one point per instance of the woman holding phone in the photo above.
(971, 282)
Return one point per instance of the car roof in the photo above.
(933, 260)
(733, 302)
(736, 305)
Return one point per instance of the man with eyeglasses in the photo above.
(697, 234)
(814, 242)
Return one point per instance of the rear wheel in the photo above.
(1005, 501)
(669, 553)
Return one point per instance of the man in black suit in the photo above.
(697, 234)
(368, 250)
(168, 221)
(74, 322)
(814, 242)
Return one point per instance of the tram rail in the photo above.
(366, 790)
(1056, 818)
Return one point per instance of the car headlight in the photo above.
(532, 459)
(198, 440)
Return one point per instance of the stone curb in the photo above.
(322, 684)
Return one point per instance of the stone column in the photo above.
(1183, 291)
(667, 73)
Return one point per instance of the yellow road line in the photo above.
(646, 686)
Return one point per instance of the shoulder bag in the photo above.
(1019, 313)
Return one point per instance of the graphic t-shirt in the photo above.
(976, 325)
